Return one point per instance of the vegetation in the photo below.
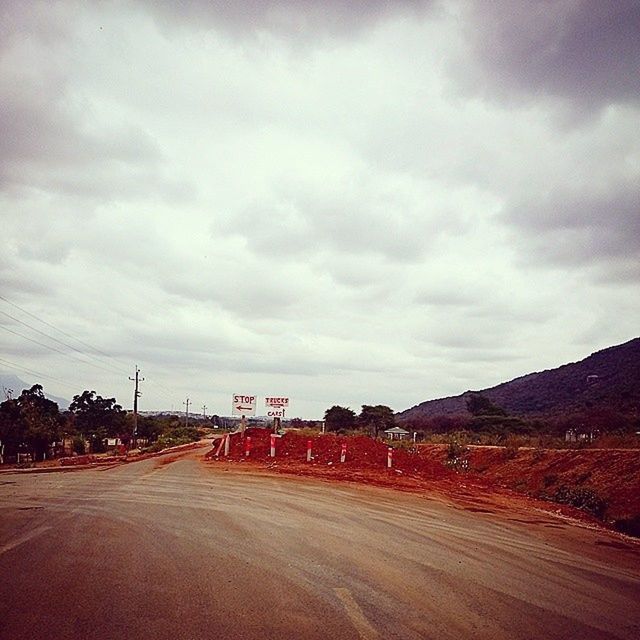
(581, 497)
(33, 426)
(373, 420)
(29, 423)
(600, 393)
(339, 418)
(376, 419)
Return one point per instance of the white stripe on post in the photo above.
(247, 446)
(343, 452)
(309, 443)
(273, 446)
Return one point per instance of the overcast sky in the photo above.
(344, 202)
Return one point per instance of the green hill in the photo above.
(606, 381)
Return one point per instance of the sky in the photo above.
(343, 202)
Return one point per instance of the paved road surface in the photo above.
(173, 550)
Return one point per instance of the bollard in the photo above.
(343, 452)
(227, 442)
(309, 450)
(390, 458)
(247, 446)
(272, 452)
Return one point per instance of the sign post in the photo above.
(275, 409)
(243, 405)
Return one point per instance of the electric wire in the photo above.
(113, 369)
(48, 346)
(64, 344)
(33, 372)
(64, 333)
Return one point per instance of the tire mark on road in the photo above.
(24, 538)
(358, 619)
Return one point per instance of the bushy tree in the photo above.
(479, 405)
(97, 418)
(376, 418)
(338, 417)
(31, 420)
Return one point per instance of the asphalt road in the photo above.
(169, 549)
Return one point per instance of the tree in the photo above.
(376, 418)
(479, 405)
(338, 418)
(11, 426)
(32, 420)
(97, 418)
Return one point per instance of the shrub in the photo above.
(457, 456)
(78, 445)
(581, 498)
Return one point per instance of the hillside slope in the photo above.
(10, 381)
(608, 379)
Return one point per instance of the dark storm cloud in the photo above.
(586, 52)
(576, 226)
(286, 17)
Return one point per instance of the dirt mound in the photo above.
(362, 453)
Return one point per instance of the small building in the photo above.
(397, 433)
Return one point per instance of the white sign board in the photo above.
(277, 403)
(276, 407)
(243, 405)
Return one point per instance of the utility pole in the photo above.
(136, 395)
(204, 410)
(186, 418)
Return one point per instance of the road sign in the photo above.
(243, 405)
(277, 403)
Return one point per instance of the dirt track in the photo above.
(173, 548)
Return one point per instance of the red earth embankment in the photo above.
(605, 478)
(612, 475)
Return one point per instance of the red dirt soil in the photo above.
(613, 474)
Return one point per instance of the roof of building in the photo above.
(397, 430)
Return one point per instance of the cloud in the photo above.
(359, 213)
(292, 19)
(310, 198)
(585, 53)
(579, 226)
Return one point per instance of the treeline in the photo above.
(373, 419)
(32, 424)
(487, 419)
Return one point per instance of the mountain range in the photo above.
(609, 379)
(10, 381)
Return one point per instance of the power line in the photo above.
(33, 372)
(48, 346)
(64, 344)
(64, 333)
(113, 367)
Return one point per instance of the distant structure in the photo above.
(397, 433)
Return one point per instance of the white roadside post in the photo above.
(389, 458)
(227, 440)
(309, 444)
(343, 452)
(272, 451)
